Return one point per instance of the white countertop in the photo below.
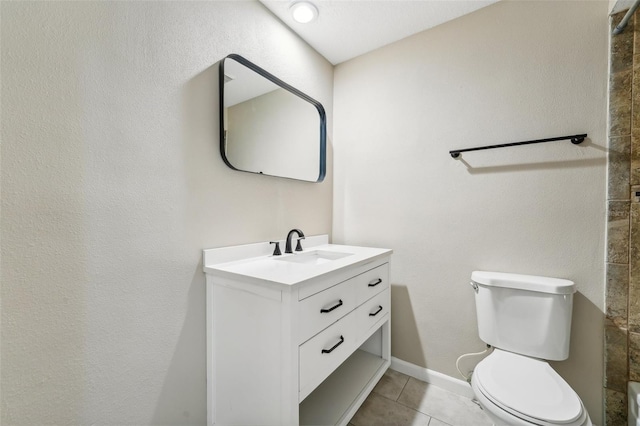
(255, 261)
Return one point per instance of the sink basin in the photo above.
(315, 257)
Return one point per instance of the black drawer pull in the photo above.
(328, 351)
(375, 283)
(376, 312)
(337, 305)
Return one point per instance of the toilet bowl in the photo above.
(516, 390)
(527, 320)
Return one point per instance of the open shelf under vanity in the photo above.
(338, 398)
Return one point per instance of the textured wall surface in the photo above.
(510, 72)
(112, 184)
(622, 327)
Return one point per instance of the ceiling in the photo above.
(348, 28)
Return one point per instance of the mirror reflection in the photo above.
(267, 126)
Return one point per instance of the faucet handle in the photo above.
(298, 245)
(276, 251)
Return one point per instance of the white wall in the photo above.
(510, 72)
(112, 184)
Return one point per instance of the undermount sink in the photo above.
(315, 257)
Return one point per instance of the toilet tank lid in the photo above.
(524, 282)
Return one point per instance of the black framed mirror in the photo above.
(268, 126)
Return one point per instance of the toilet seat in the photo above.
(528, 389)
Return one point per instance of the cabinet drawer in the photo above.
(371, 283)
(325, 352)
(323, 309)
(371, 312)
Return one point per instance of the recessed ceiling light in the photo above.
(304, 12)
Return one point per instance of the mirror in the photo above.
(267, 126)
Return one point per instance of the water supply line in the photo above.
(461, 357)
(618, 29)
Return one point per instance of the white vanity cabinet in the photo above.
(293, 343)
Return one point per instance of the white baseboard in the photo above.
(440, 380)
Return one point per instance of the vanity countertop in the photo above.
(254, 262)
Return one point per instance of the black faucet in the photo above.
(287, 248)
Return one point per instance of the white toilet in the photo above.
(527, 319)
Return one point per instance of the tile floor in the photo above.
(400, 400)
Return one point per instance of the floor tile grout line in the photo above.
(441, 421)
(385, 397)
(405, 406)
(402, 390)
(398, 403)
(416, 409)
(422, 412)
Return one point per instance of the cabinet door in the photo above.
(323, 353)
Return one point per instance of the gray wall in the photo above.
(112, 184)
(512, 71)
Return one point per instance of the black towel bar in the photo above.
(575, 139)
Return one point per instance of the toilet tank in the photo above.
(525, 314)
